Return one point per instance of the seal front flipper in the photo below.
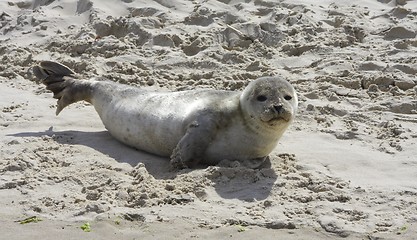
(63, 83)
(257, 163)
(192, 146)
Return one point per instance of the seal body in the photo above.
(188, 126)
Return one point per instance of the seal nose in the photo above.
(278, 108)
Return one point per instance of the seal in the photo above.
(190, 127)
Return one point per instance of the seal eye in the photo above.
(287, 97)
(261, 98)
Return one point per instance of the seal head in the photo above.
(269, 102)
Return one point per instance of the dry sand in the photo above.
(347, 167)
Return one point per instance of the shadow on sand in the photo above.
(230, 183)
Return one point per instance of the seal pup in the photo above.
(190, 127)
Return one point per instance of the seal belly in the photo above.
(148, 121)
(251, 145)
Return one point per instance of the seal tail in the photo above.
(63, 83)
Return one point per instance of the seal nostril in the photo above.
(278, 108)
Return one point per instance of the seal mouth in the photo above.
(276, 120)
(280, 118)
(274, 117)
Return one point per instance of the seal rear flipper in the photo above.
(62, 82)
(53, 68)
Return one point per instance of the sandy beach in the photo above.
(345, 169)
